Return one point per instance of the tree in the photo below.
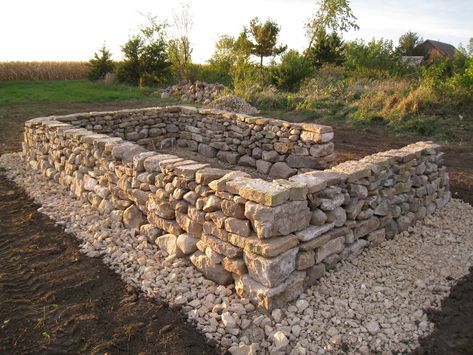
(264, 38)
(180, 47)
(469, 47)
(408, 43)
(100, 64)
(332, 16)
(326, 49)
(146, 60)
(291, 71)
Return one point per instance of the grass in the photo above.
(65, 91)
(22, 100)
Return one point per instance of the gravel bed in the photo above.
(374, 303)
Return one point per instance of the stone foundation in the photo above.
(271, 238)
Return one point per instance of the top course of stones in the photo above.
(271, 239)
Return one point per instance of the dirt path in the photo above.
(53, 299)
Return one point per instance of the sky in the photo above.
(74, 30)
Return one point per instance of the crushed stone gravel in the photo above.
(375, 303)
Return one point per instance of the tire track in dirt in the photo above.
(53, 299)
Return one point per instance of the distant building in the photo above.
(434, 50)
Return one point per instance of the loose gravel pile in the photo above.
(232, 103)
(374, 303)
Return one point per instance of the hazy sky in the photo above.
(74, 30)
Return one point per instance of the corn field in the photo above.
(43, 70)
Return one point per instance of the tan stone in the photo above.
(259, 191)
(238, 226)
(221, 247)
(271, 298)
(235, 266)
(271, 271)
(333, 246)
(305, 259)
(280, 220)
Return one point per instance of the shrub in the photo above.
(100, 64)
(375, 59)
(146, 61)
(292, 70)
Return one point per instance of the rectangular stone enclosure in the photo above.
(272, 227)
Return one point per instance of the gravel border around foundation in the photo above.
(374, 303)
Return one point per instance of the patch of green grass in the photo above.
(70, 91)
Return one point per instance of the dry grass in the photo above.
(43, 70)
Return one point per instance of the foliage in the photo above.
(180, 47)
(326, 49)
(146, 61)
(101, 64)
(469, 47)
(43, 70)
(408, 43)
(263, 38)
(331, 16)
(209, 73)
(375, 59)
(292, 70)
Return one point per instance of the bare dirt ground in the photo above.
(55, 300)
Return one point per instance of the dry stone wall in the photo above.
(271, 239)
(272, 147)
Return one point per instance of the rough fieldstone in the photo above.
(168, 244)
(270, 298)
(281, 170)
(187, 244)
(318, 217)
(214, 272)
(314, 274)
(313, 232)
(235, 266)
(207, 175)
(221, 246)
(246, 160)
(320, 150)
(305, 259)
(260, 191)
(263, 166)
(337, 216)
(238, 226)
(206, 150)
(280, 220)
(233, 209)
(133, 218)
(331, 247)
(362, 228)
(271, 272)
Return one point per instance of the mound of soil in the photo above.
(53, 299)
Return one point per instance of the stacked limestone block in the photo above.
(272, 239)
(195, 92)
(272, 147)
(361, 203)
(231, 226)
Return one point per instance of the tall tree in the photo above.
(408, 43)
(180, 47)
(331, 16)
(264, 38)
(469, 47)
